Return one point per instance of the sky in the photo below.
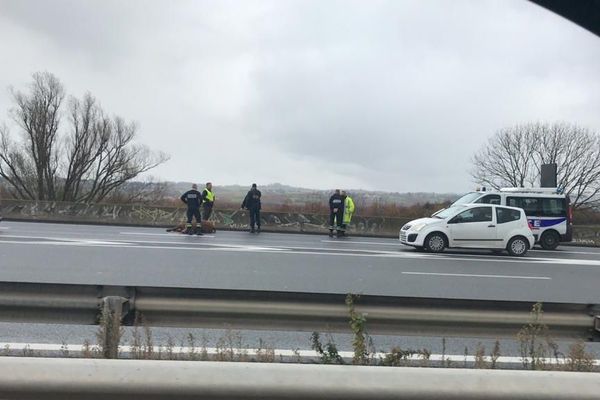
(376, 95)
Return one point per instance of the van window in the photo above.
(479, 214)
(490, 199)
(504, 215)
(531, 205)
(554, 208)
(539, 206)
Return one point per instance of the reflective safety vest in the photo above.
(210, 197)
(348, 209)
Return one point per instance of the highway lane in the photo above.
(37, 252)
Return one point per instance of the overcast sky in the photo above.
(387, 95)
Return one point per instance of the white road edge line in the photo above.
(212, 351)
(477, 275)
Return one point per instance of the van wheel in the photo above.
(517, 246)
(550, 240)
(435, 242)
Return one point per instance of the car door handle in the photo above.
(491, 226)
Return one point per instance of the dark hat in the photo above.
(254, 185)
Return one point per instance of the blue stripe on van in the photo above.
(545, 223)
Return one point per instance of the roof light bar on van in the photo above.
(531, 190)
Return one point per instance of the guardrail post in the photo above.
(110, 332)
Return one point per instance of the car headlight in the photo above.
(418, 227)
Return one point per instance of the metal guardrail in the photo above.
(37, 378)
(240, 309)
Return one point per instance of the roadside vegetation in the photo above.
(538, 351)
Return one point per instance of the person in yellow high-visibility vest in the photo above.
(348, 211)
(208, 201)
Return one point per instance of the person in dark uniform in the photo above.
(193, 198)
(208, 201)
(252, 203)
(336, 212)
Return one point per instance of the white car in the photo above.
(477, 226)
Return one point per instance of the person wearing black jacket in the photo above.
(252, 203)
(336, 212)
(192, 198)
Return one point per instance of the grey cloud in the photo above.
(392, 95)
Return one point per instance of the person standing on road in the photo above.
(192, 198)
(208, 201)
(348, 211)
(252, 203)
(336, 212)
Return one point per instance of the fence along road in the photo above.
(83, 254)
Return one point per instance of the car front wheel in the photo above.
(517, 246)
(435, 243)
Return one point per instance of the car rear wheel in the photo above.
(517, 246)
(435, 242)
(550, 240)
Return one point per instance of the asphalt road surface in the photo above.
(61, 253)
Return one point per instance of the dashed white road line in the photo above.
(477, 275)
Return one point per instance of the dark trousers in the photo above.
(193, 213)
(336, 218)
(206, 211)
(254, 217)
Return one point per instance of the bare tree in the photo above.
(35, 160)
(96, 156)
(147, 191)
(513, 157)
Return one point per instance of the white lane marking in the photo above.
(212, 351)
(399, 245)
(162, 234)
(292, 250)
(477, 275)
(567, 252)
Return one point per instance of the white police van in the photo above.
(548, 211)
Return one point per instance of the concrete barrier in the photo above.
(38, 378)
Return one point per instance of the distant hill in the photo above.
(277, 193)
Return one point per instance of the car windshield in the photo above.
(467, 199)
(448, 212)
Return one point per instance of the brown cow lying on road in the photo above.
(207, 227)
